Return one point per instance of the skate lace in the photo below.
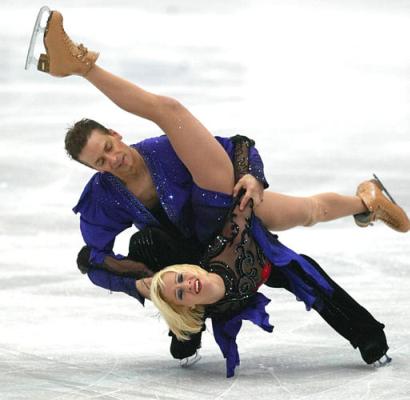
(78, 51)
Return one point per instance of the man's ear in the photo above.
(114, 134)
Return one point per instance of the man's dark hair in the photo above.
(77, 136)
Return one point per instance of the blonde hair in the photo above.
(183, 321)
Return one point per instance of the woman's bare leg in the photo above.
(201, 153)
(195, 146)
(279, 212)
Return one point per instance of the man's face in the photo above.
(107, 153)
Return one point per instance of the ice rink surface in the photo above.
(323, 88)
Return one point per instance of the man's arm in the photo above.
(115, 283)
(126, 267)
(115, 275)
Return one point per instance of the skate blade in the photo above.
(385, 360)
(189, 361)
(384, 189)
(39, 28)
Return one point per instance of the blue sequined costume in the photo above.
(107, 207)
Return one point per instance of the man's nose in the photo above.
(112, 159)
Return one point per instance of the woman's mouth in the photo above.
(197, 286)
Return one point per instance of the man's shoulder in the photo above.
(100, 186)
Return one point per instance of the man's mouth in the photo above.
(197, 286)
(121, 162)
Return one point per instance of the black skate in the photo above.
(373, 349)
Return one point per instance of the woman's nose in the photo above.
(188, 285)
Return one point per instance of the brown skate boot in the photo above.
(380, 207)
(63, 57)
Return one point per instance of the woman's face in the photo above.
(188, 288)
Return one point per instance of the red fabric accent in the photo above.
(266, 270)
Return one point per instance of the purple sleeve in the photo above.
(115, 283)
(100, 221)
(226, 330)
(101, 237)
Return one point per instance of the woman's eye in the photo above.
(180, 278)
(180, 294)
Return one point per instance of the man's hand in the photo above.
(123, 267)
(83, 258)
(143, 286)
(126, 267)
(253, 190)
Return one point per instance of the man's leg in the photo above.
(158, 249)
(342, 313)
(352, 321)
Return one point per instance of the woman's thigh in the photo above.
(279, 212)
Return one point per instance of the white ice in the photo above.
(323, 88)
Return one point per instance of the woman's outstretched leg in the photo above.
(196, 147)
(280, 212)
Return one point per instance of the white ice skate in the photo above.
(38, 32)
(187, 362)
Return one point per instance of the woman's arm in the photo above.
(204, 157)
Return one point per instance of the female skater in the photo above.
(242, 257)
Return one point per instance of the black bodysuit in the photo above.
(238, 260)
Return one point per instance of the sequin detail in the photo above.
(237, 259)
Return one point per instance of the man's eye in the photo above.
(180, 294)
(180, 278)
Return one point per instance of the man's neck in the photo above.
(139, 181)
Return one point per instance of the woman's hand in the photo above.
(253, 190)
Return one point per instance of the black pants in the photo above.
(157, 249)
(341, 312)
(180, 350)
